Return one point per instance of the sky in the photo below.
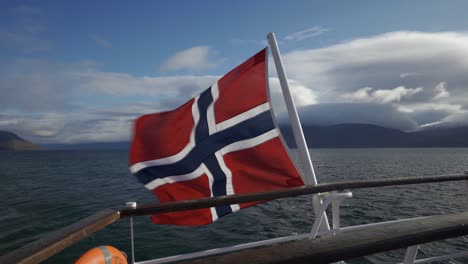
(82, 71)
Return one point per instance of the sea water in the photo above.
(42, 191)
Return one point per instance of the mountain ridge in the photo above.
(372, 136)
(339, 136)
(11, 141)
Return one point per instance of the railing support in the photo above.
(320, 214)
(410, 255)
(132, 238)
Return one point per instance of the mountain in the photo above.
(442, 137)
(338, 136)
(10, 141)
(90, 146)
(372, 136)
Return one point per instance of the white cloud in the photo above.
(195, 58)
(122, 84)
(58, 87)
(72, 103)
(459, 118)
(418, 64)
(302, 95)
(429, 112)
(378, 61)
(429, 106)
(82, 127)
(30, 126)
(306, 34)
(440, 91)
(368, 94)
(453, 120)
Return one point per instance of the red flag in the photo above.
(222, 142)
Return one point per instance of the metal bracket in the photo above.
(410, 255)
(335, 198)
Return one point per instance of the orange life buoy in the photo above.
(102, 255)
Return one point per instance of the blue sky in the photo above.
(81, 71)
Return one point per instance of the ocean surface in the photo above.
(45, 190)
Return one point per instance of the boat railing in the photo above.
(352, 244)
(375, 237)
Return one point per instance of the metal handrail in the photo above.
(283, 193)
(351, 244)
(56, 241)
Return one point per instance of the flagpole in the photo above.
(308, 168)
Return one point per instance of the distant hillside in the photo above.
(441, 137)
(371, 136)
(90, 146)
(338, 136)
(10, 141)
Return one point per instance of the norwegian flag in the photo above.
(222, 142)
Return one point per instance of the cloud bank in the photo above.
(422, 75)
(402, 80)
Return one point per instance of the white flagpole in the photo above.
(308, 168)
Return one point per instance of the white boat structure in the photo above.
(321, 245)
(324, 243)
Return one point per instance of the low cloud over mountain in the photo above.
(421, 75)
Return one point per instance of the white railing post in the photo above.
(132, 239)
(336, 203)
